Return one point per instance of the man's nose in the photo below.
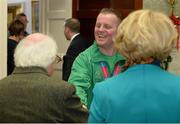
(101, 28)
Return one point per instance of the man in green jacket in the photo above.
(101, 60)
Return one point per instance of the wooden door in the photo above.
(87, 11)
(54, 13)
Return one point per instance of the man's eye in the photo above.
(98, 26)
(107, 27)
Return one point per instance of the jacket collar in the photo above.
(23, 70)
(97, 56)
(74, 36)
(143, 66)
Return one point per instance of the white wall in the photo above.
(164, 6)
(3, 38)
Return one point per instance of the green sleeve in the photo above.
(81, 77)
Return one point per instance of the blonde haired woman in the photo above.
(144, 92)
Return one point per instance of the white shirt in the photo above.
(74, 36)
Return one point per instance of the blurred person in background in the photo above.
(77, 45)
(15, 29)
(23, 18)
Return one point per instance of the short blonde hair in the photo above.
(35, 50)
(144, 34)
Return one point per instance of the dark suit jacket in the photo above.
(10, 58)
(77, 45)
(30, 95)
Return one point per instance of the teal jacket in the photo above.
(86, 71)
(142, 94)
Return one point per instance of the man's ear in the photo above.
(68, 30)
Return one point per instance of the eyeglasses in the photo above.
(58, 59)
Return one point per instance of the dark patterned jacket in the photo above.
(30, 95)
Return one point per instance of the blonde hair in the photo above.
(35, 50)
(144, 34)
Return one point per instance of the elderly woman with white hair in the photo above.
(29, 94)
(144, 92)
